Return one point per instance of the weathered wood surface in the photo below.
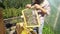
(2, 28)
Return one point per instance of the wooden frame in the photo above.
(26, 20)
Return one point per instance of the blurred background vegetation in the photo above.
(12, 8)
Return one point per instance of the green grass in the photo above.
(48, 29)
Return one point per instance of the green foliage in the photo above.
(1, 4)
(11, 7)
(11, 12)
(16, 3)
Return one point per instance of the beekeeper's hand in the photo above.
(28, 6)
